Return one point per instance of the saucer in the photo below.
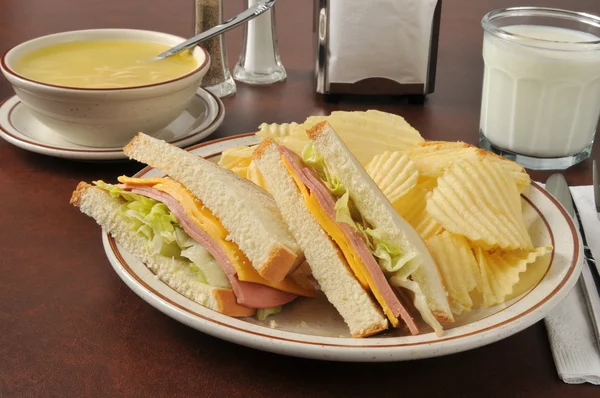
(19, 127)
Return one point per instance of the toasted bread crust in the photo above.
(376, 328)
(228, 305)
(442, 316)
(78, 193)
(260, 150)
(127, 149)
(315, 131)
(281, 262)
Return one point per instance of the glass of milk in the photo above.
(541, 87)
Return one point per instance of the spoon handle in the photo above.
(231, 23)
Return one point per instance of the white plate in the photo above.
(311, 328)
(201, 118)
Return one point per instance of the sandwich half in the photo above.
(247, 212)
(345, 225)
(186, 242)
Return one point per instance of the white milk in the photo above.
(540, 102)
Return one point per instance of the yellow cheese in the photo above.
(335, 232)
(209, 223)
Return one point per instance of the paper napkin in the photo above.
(383, 38)
(570, 331)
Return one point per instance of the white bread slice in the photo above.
(378, 211)
(354, 304)
(98, 204)
(245, 210)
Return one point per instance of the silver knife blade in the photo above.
(596, 184)
(558, 187)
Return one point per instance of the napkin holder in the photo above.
(339, 67)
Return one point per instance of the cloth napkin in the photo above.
(572, 339)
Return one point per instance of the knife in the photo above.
(557, 186)
(596, 185)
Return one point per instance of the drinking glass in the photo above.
(541, 87)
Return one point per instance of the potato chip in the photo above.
(365, 133)
(458, 268)
(370, 133)
(253, 174)
(276, 131)
(476, 198)
(412, 207)
(237, 159)
(500, 271)
(394, 173)
(290, 135)
(432, 158)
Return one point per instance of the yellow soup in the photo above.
(103, 64)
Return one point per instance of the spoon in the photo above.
(251, 13)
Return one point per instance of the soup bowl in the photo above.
(104, 117)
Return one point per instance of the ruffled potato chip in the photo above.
(500, 271)
(476, 198)
(458, 268)
(290, 135)
(276, 131)
(433, 158)
(365, 133)
(412, 207)
(394, 173)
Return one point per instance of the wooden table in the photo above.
(70, 327)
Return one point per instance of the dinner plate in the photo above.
(18, 126)
(311, 328)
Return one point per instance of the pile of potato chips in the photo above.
(464, 202)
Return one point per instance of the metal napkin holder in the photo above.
(369, 85)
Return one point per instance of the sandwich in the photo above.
(369, 262)
(209, 234)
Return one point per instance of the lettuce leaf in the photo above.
(342, 211)
(153, 220)
(263, 313)
(207, 265)
(402, 279)
(390, 255)
(314, 159)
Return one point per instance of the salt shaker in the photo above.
(217, 80)
(259, 61)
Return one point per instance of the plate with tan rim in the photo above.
(311, 328)
(202, 117)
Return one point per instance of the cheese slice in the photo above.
(335, 232)
(209, 223)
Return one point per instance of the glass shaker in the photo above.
(217, 80)
(259, 61)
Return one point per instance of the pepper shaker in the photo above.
(217, 80)
(259, 61)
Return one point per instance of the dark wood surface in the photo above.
(69, 326)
